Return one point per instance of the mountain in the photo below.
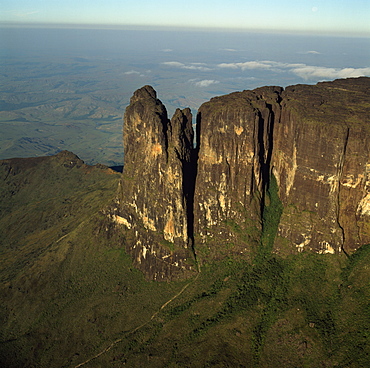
(258, 232)
(155, 195)
(292, 163)
(313, 140)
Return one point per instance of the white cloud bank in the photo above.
(204, 82)
(20, 13)
(302, 70)
(313, 72)
(130, 72)
(135, 72)
(190, 66)
(248, 65)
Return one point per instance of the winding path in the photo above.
(141, 326)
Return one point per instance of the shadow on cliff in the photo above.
(118, 168)
(190, 173)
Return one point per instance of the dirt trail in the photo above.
(141, 326)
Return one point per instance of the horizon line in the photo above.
(137, 27)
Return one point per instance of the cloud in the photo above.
(131, 72)
(134, 72)
(190, 66)
(249, 65)
(31, 12)
(167, 50)
(173, 63)
(310, 52)
(204, 82)
(22, 14)
(194, 67)
(304, 71)
(313, 72)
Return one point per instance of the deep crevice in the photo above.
(190, 171)
(265, 136)
(193, 172)
(265, 142)
(264, 169)
(271, 206)
(340, 171)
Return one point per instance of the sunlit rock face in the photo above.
(321, 158)
(313, 139)
(177, 201)
(154, 190)
(235, 147)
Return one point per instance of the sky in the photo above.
(345, 17)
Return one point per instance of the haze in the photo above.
(329, 16)
(69, 68)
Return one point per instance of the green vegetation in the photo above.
(167, 244)
(70, 295)
(272, 211)
(44, 109)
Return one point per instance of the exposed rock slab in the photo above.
(153, 201)
(312, 140)
(321, 159)
(235, 148)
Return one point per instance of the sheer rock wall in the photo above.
(177, 200)
(153, 199)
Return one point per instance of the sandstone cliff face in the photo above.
(153, 203)
(235, 148)
(313, 139)
(321, 160)
(310, 140)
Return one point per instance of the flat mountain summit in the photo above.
(258, 222)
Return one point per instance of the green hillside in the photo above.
(71, 298)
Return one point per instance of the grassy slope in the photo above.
(69, 291)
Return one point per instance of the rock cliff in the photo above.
(235, 149)
(156, 180)
(304, 149)
(321, 160)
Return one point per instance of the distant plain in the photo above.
(68, 88)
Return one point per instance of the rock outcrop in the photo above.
(308, 144)
(321, 160)
(235, 148)
(155, 184)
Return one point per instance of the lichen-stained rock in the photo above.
(308, 143)
(153, 207)
(235, 146)
(313, 139)
(321, 159)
